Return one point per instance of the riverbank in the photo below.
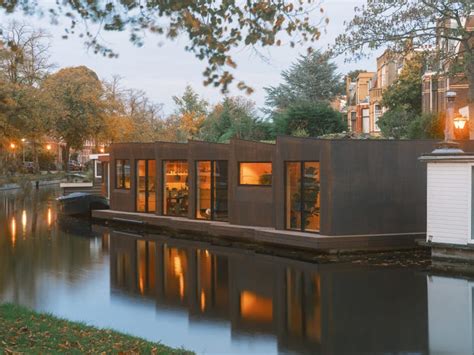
(18, 181)
(26, 331)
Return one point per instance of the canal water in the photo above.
(216, 299)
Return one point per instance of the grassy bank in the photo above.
(22, 330)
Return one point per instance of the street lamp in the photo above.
(459, 122)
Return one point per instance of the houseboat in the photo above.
(299, 192)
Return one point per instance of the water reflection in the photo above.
(216, 299)
(306, 307)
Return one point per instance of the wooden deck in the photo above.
(260, 235)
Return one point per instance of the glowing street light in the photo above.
(459, 122)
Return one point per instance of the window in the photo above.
(302, 196)
(122, 174)
(211, 192)
(145, 186)
(175, 188)
(255, 174)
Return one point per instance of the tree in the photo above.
(407, 25)
(214, 28)
(76, 108)
(405, 92)
(31, 117)
(234, 117)
(24, 54)
(311, 78)
(308, 119)
(190, 113)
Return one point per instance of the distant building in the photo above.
(388, 70)
(437, 80)
(358, 115)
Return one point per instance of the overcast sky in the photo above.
(163, 70)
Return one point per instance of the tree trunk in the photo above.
(35, 158)
(66, 158)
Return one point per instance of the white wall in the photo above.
(448, 205)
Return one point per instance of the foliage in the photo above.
(214, 28)
(311, 78)
(78, 110)
(394, 123)
(426, 126)
(185, 123)
(400, 123)
(24, 57)
(405, 92)
(406, 25)
(25, 331)
(312, 118)
(130, 116)
(234, 117)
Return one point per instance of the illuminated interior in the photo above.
(302, 195)
(146, 182)
(176, 190)
(255, 174)
(211, 194)
(122, 174)
(256, 308)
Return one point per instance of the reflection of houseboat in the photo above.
(372, 192)
(307, 307)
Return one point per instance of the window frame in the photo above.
(212, 200)
(123, 187)
(285, 205)
(239, 182)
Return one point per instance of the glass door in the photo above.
(211, 190)
(302, 197)
(145, 186)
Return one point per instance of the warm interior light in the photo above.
(459, 122)
(12, 145)
(48, 146)
(102, 150)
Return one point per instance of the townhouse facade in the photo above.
(358, 102)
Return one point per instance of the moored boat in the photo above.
(81, 204)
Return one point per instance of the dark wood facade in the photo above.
(367, 187)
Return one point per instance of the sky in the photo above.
(162, 68)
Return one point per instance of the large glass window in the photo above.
(146, 180)
(175, 188)
(255, 174)
(211, 198)
(302, 196)
(122, 174)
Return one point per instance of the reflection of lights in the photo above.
(206, 252)
(141, 284)
(49, 217)
(255, 307)
(13, 231)
(203, 300)
(23, 222)
(178, 271)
